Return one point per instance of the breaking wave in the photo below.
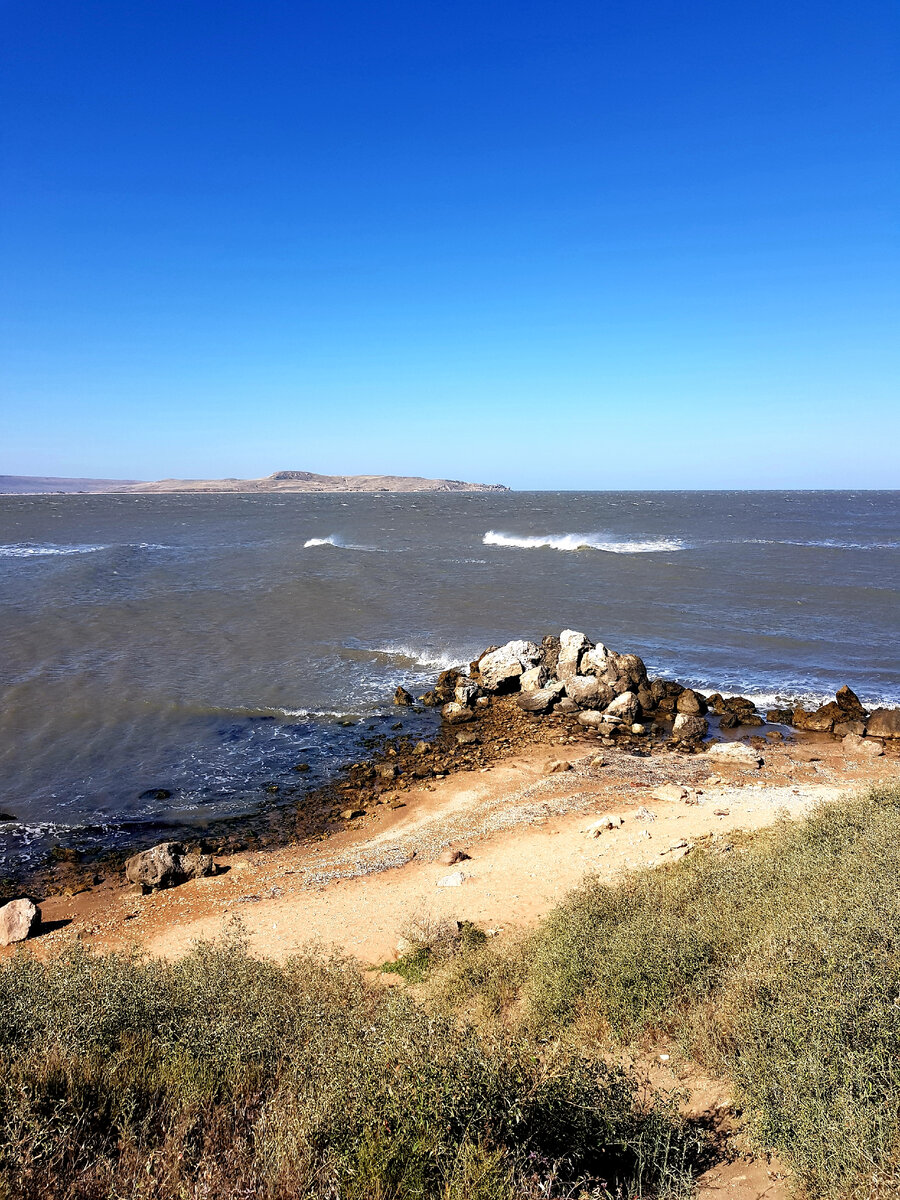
(581, 541)
(33, 550)
(337, 542)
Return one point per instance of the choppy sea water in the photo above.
(205, 644)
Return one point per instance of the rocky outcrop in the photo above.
(165, 866)
(884, 723)
(501, 669)
(18, 920)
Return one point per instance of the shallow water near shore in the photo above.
(205, 644)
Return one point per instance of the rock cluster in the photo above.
(166, 865)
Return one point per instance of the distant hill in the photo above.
(280, 481)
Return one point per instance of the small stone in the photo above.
(638, 728)
(669, 792)
(556, 768)
(350, 814)
(420, 748)
(644, 814)
(385, 772)
(18, 920)
(737, 752)
(608, 821)
(453, 880)
(301, 767)
(688, 728)
(533, 679)
(403, 698)
(467, 737)
(456, 714)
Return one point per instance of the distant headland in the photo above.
(279, 481)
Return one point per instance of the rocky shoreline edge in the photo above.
(510, 697)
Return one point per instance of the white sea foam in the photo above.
(581, 541)
(422, 658)
(33, 550)
(337, 542)
(824, 544)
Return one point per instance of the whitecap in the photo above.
(580, 541)
(337, 542)
(35, 550)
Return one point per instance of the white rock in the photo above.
(533, 679)
(625, 707)
(590, 719)
(669, 792)
(501, 667)
(854, 744)
(608, 821)
(738, 752)
(453, 880)
(18, 920)
(572, 645)
(582, 689)
(596, 661)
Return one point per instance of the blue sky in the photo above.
(555, 245)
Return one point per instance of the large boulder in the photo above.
(854, 744)
(590, 719)
(541, 699)
(850, 703)
(688, 728)
(18, 920)
(820, 721)
(572, 645)
(584, 690)
(501, 669)
(884, 723)
(533, 678)
(165, 866)
(596, 661)
(625, 707)
(691, 702)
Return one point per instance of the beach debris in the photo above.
(607, 821)
(19, 919)
(669, 792)
(453, 855)
(165, 866)
(403, 698)
(721, 812)
(854, 744)
(738, 752)
(678, 850)
(453, 880)
(420, 748)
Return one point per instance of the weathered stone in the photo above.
(688, 728)
(452, 855)
(385, 772)
(601, 824)
(501, 669)
(820, 721)
(350, 814)
(691, 702)
(456, 714)
(558, 767)
(858, 727)
(583, 689)
(596, 661)
(541, 700)
(669, 792)
(625, 707)
(780, 716)
(884, 722)
(454, 880)
(550, 654)
(166, 865)
(403, 697)
(533, 678)
(631, 668)
(738, 752)
(466, 692)
(566, 705)
(646, 699)
(467, 737)
(590, 719)
(854, 744)
(664, 689)
(850, 703)
(572, 645)
(18, 920)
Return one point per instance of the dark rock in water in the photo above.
(403, 697)
(663, 689)
(691, 702)
(689, 728)
(884, 723)
(728, 721)
(429, 699)
(301, 767)
(166, 865)
(156, 794)
(18, 920)
(780, 716)
(850, 703)
(820, 721)
(7, 817)
(446, 685)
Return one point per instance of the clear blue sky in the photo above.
(551, 244)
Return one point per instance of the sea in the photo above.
(166, 659)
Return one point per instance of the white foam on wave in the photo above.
(822, 544)
(420, 658)
(337, 542)
(32, 550)
(580, 541)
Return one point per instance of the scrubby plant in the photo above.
(775, 962)
(223, 1076)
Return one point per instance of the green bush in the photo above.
(223, 1076)
(776, 964)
